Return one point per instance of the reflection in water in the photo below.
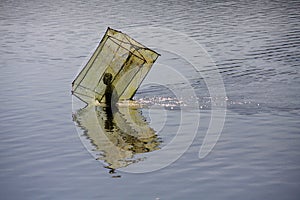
(117, 134)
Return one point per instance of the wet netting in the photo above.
(117, 54)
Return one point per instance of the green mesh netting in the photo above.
(124, 58)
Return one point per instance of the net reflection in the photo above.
(117, 134)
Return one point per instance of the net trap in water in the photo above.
(119, 62)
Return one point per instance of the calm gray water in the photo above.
(255, 45)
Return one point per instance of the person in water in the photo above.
(111, 97)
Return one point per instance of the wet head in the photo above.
(107, 78)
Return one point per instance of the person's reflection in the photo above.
(110, 109)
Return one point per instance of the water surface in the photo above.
(255, 46)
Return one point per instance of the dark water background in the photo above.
(255, 45)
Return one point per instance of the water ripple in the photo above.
(255, 46)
